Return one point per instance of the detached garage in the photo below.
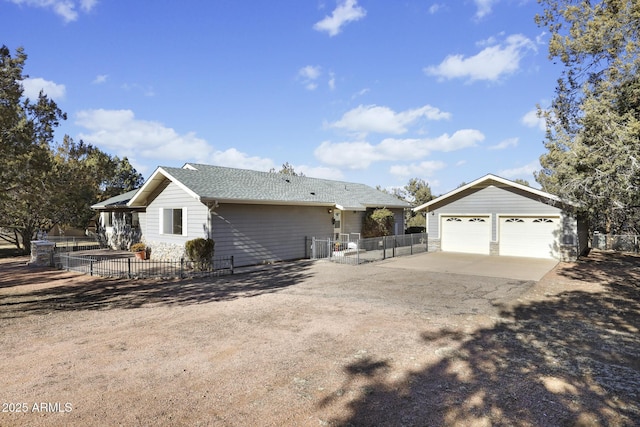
(495, 216)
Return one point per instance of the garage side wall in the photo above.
(257, 234)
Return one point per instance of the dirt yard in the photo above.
(308, 344)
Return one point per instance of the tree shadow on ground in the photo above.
(572, 359)
(92, 293)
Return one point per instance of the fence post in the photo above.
(231, 264)
(91, 267)
(384, 247)
(358, 252)
(395, 243)
(411, 244)
(129, 268)
(181, 263)
(313, 248)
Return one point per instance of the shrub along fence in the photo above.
(358, 251)
(128, 267)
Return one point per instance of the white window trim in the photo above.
(161, 221)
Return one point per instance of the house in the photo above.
(495, 216)
(119, 224)
(255, 216)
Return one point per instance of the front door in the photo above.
(337, 224)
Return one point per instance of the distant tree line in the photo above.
(44, 183)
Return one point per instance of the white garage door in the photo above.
(534, 237)
(466, 234)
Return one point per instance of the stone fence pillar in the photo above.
(41, 251)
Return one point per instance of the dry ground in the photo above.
(322, 344)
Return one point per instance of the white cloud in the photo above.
(360, 93)
(532, 120)
(346, 11)
(237, 159)
(100, 78)
(373, 118)
(309, 76)
(310, 72)
(146, 91)
(361, 154)
(422, 169)
(33, 86)
(332, 81)
(88, 5)
(525, 171)
(434, 8)
(510, 142)
(492, 63)
(484, 7)
(121, 133)
(67, 9)
(352, 155)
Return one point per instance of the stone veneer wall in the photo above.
(166, 251)
(433, 245)
(494, 248)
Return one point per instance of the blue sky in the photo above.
(368, 91)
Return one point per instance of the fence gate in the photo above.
(351, 249)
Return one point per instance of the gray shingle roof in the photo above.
(230, 184)
(119, 201)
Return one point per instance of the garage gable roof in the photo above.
(486, 181)
(208, 183)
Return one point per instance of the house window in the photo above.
(477, 220)
(172, 221)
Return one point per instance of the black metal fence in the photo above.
(74, 244)
(128, 267)
(616, 242)
(359, 251)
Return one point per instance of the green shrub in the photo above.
(200, 251)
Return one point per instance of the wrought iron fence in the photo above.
(358, 251)
(74, 244)
(128, 267)
(616, 242)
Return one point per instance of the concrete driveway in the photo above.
(475, 265)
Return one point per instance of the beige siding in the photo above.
(174, 197)
(256, 234)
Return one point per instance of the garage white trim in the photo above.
(463, 233)
(529, 236)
